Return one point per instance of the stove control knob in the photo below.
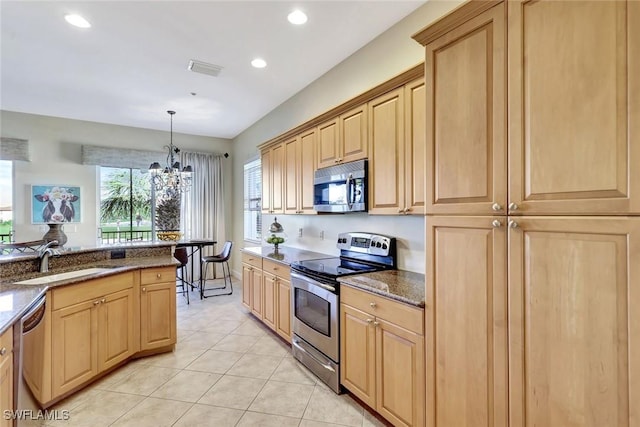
(373, 244)
(378, 245)
(384, 246)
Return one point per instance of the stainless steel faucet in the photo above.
(44, 253)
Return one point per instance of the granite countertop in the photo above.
(404, 286)
(285, 255)
(15, 300)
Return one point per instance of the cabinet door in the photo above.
(328, 143)
(291, 175)
(358, 353)
(400, 374)
(386, 154)
(466, 316)
(353, 135)
(277, 179)
(283, 302)
(265, 164)
(115, 329)
(269, 300)
(256, 293)
(157, 315)
(247, 292)
(466, 117)
(574, 107)
(307, 169)
(6, 377)
(74, 345)
(415, 146)
(574, 322)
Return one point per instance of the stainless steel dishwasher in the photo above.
(32, 338)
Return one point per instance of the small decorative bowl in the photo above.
(169, 236)
(275, 239)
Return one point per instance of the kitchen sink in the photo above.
(63, 276)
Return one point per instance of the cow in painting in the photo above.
(58, 205)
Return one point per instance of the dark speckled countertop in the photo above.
(285, 254)
(404, 286)
(15, 300)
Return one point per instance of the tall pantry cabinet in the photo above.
(533, 214)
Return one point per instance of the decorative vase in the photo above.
(169, 235)
(55, 233)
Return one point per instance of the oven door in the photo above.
(315, 314)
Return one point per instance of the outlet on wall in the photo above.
(321, 234)
(300, 232)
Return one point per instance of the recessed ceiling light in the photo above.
(77, 21)
(204, 68)
(297, 17)
(259, 63)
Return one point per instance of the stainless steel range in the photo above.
(316, 299)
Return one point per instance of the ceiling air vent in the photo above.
(204, 68)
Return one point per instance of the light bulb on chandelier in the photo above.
(171, 180)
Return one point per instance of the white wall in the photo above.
(385, 57)
(55, 149)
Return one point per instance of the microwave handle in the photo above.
(350, 194)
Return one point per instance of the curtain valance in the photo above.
(14, 149)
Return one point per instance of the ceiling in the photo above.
(130, 67)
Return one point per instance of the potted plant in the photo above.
(168, 218)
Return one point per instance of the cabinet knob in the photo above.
(400, 210)
(103, 300)
(336, 160)
(376, 323)
(3, 351)
(96, 302)
(372, 304)
(496, 223)
(513, 224)
(144, 289)
(407, 209)
(496, 207)
(369, 320)
(513, 206)
(158, 275)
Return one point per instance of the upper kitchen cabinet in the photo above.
(344, 138)
(466, 156)
(415, 145)
(386, 153)
(272, 159)
(299, 167)
(574, 107)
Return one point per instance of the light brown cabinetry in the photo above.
(252, 284)
(272, 179)
(6, 376)
(382, 355)
(92, 330)
(157, 308)
(343, 139)
(300, 165)
(269, 290)
(397, 150)
(466, 325)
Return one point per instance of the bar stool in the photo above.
(181, 255)
(221, 258)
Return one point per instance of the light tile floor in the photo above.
(228, 369)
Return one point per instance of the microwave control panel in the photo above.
(374, 244)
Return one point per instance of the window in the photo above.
(253, 200)
(125, 205)
(6, 201)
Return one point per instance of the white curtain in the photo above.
(202, 215)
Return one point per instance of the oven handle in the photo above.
(296, 343)
(313, 282)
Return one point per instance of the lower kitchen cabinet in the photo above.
(382, 355)
(6, 376)
(266, 291)
(157, 308)
(532, 321)
(91, 336)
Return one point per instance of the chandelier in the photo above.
(170, 180)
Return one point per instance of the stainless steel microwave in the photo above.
(341, 188)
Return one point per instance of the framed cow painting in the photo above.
(55, 204)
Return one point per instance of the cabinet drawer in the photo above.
(253, 260)
(401, 314)
(6, 343)
(77, 293)
(149, 276)
(277, 269)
